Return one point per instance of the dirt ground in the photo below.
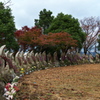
(77, 82)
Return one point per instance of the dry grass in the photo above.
(78, 82)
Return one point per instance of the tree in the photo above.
(91, 26)
(62, 41)
(45, 19)
(28, 37)
(7, 28)
(99, 42)
(67, 23)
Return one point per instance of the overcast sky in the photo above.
(25, 11)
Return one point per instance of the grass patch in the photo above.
(78, 82)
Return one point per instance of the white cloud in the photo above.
(25, 11)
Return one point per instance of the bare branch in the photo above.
(91, 26)
(7, 3)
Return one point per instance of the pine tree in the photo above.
(7, 28)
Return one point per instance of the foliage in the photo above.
(60, 41)
(27, 37)
(34, 38)
(45, 19)
(11, 66)
(7, 28)
(11, 89)
(67, 23)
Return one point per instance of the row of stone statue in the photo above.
(25, 62)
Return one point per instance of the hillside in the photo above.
(78, 82)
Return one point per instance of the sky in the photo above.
(25, 11)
